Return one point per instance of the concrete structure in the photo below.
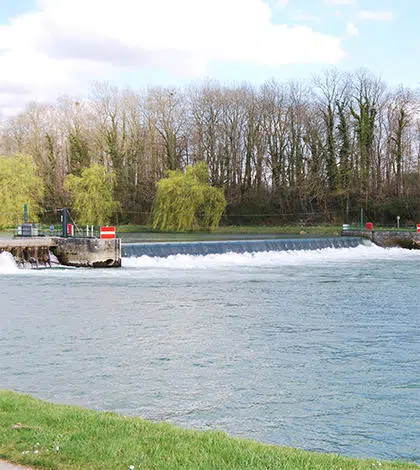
(387, 238)
(78, 252)
(88, 252)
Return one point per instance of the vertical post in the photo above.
(361, 218)
(25, 213)
(64, 221)
(347, 207)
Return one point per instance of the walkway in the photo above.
(10, 466)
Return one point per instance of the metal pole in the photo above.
(64, 220)
(347, 207)
(361, 218)
(25, 213)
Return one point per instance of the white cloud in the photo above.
(375, 15)
(341, 2)
(67, 43)
(300, 16)
(351, 29)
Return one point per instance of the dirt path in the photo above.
(10, 466)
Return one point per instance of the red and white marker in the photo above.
(107, 232)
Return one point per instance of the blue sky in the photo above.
(51, 47)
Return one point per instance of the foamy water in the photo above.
(326, 256)
(272, 258)
(8, 264)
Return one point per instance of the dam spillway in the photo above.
(76, 252)
(165, 249)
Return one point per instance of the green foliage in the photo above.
(19, 184)
(79, 153)
(345, 147)
(186, 201)
(92, 195)
(365, 131)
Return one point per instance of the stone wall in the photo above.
(387, 238)
(88, 252)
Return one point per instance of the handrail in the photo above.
(33, 230)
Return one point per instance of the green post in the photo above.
(25, 213)
(361, 219)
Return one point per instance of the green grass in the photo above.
(321, 230)
(131, 228)
(318, 230)
(49, 436)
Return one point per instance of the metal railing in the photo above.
(36, 230)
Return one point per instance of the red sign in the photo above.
(369, 226)
(107, 232)
(418, 228)
(70, 230)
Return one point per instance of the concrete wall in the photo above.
(88, 252)
(387, 238)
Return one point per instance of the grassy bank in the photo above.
(321, 230)
(50, 436)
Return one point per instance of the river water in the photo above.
(313, 349)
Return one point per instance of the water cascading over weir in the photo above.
(163, 250)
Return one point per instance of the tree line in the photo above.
(297, 151)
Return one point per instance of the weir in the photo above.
(35, 253)
(163, 250)
(77, 252)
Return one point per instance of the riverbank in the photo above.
(318, 230)
(269, 230)
(46, 436)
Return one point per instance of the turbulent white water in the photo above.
(7, 264)
(325, 256)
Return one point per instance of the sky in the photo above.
(53, 47)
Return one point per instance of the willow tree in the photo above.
(92, 195)
(186, 201)
(19, 185)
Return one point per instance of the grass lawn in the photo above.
(49, 436)
(321, 230)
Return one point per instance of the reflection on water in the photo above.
(311, 349)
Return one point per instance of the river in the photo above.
(315, 349)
